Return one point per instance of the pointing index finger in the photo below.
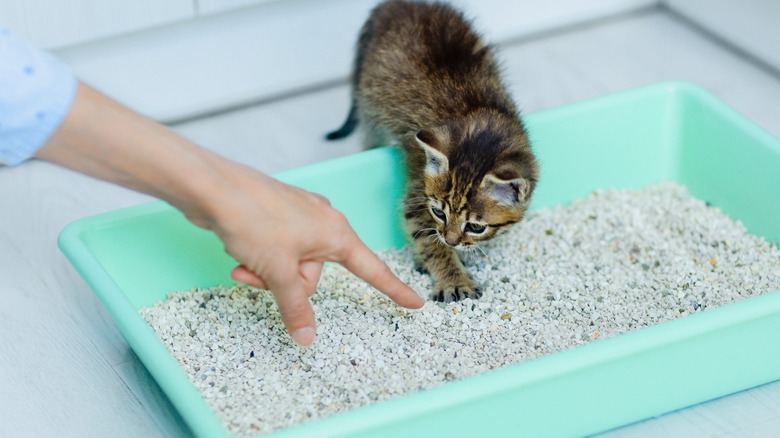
(362, 262)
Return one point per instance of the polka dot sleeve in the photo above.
(36, 92)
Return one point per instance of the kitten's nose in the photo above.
(452, 238)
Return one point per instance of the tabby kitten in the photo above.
(424, 78)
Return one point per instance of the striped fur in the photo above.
(424, 78)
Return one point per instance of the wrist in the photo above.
(216, 192)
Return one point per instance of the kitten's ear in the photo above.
(506, 191)
(430, 141)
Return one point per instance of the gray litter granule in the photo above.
(610, 263)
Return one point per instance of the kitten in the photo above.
(424, 78)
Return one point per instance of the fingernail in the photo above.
(422, 304)
(303, 336)
(420, 301)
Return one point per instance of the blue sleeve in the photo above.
(36, 92)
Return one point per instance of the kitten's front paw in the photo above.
(446, 293)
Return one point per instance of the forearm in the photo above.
(103, 139)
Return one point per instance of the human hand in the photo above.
(282, 235)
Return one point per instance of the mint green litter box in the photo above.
(672, 131)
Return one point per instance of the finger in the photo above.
(368, 266)
(310, 271)
(293, 302)
(240, 274)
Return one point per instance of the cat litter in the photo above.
(610, 263)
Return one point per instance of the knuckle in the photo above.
(322, 199)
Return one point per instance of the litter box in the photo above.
(665, 132)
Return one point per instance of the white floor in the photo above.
(66, 371)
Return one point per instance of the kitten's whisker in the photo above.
(433, 235)
(476, 247)
(421, 230)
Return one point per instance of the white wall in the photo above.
(59, 23)
(236, 52)
(751, 25)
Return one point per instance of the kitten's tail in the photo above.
(348, 127)
(366, 34)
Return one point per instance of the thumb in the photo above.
(241, 274)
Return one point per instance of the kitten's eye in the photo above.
(473, 228)
(439, 214)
